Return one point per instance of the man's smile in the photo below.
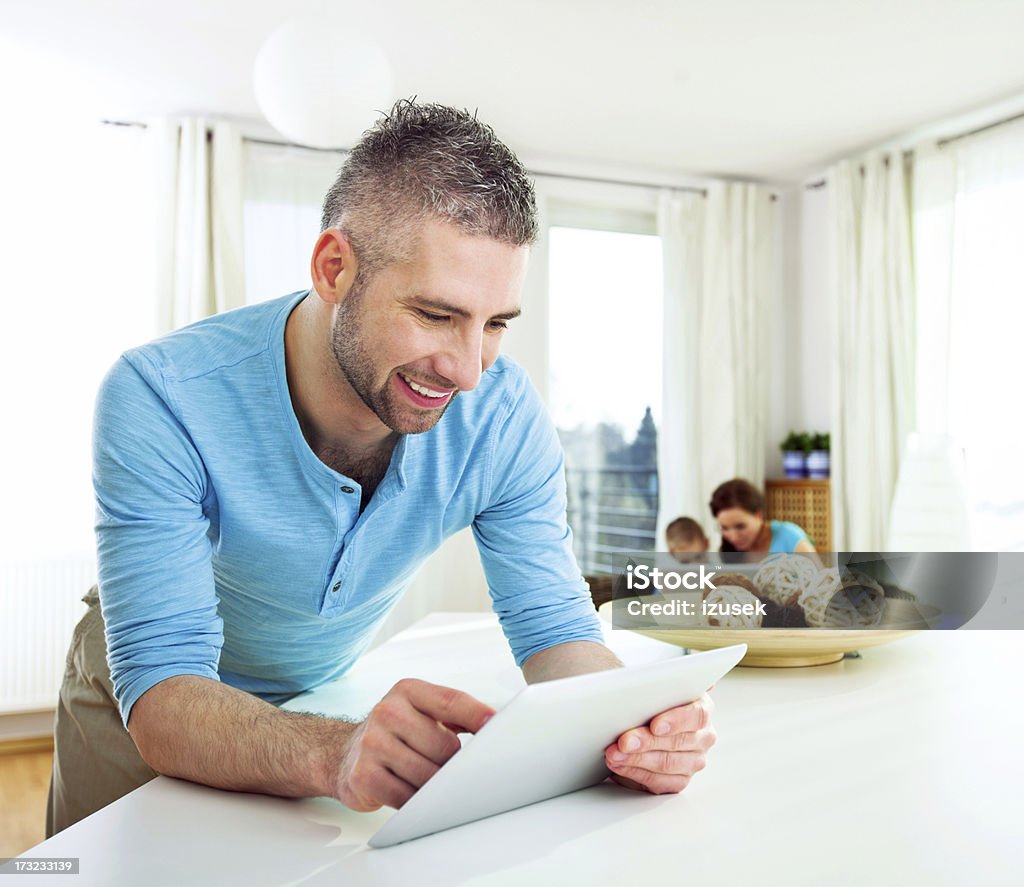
(423, 395)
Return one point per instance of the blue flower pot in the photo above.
(793, 463)
(819, 464)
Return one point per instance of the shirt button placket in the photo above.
(348, 491)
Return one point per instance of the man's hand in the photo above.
(662, 757)
(404, 741)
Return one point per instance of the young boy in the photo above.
(685, 537)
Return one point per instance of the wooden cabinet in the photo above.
(804, 502)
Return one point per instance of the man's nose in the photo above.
(463, 361)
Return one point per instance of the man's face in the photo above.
(419, 331)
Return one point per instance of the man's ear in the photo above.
(333, 266)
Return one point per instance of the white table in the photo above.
(900, 768)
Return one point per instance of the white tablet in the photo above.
(550, 740)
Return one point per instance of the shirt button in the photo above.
(336, 586)
(347, 489)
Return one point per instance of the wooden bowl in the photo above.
(793, 647)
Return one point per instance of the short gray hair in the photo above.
(428, 161)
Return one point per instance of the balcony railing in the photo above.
(612, 511)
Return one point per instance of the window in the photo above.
(605, 295)
(78, 276)
(969, 227)
(284, 190)
(986, 324)
(77, 280)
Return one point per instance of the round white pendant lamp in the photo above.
(320, 83)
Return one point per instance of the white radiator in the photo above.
(40, 603)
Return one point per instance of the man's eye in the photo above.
(499, 325)
(433, 318)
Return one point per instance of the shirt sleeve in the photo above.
(154, 556)
(786, 536)
(524, 540)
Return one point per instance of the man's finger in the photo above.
(370, 784)
(408, 765)
(430, 739)
(655, 783)
(689, 718)
(446, 704)
(684, 719)
(393, 791)
(682, 763)
(628, 783)
(701, 741)
(396, 716)
(635, 740)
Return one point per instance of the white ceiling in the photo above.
(769, 89)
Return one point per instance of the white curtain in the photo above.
(969, 232)
(872, 343)
(197, 174)
(680, 492)
(934, 196)
(284, 190)
(720, 281)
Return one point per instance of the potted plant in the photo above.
(819, 460)
(793, 459)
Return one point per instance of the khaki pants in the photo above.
(95, 761)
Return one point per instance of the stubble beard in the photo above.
(349, 345)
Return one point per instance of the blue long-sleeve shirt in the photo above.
(786, 536)
(227, 549)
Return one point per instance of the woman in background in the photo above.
(738, 506)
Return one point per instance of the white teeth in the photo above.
(426, 392)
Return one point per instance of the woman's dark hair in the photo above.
(736, 493)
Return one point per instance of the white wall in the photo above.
(801, 371)
(783, 319)
(799, 362)
(814, 385)
(800, 365)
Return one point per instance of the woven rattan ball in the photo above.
(782, 578)
(850, 600)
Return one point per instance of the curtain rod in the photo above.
(685, 189)
(941, 143)
(255, 141)
(535, 172)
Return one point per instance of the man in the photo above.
(268, 481)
